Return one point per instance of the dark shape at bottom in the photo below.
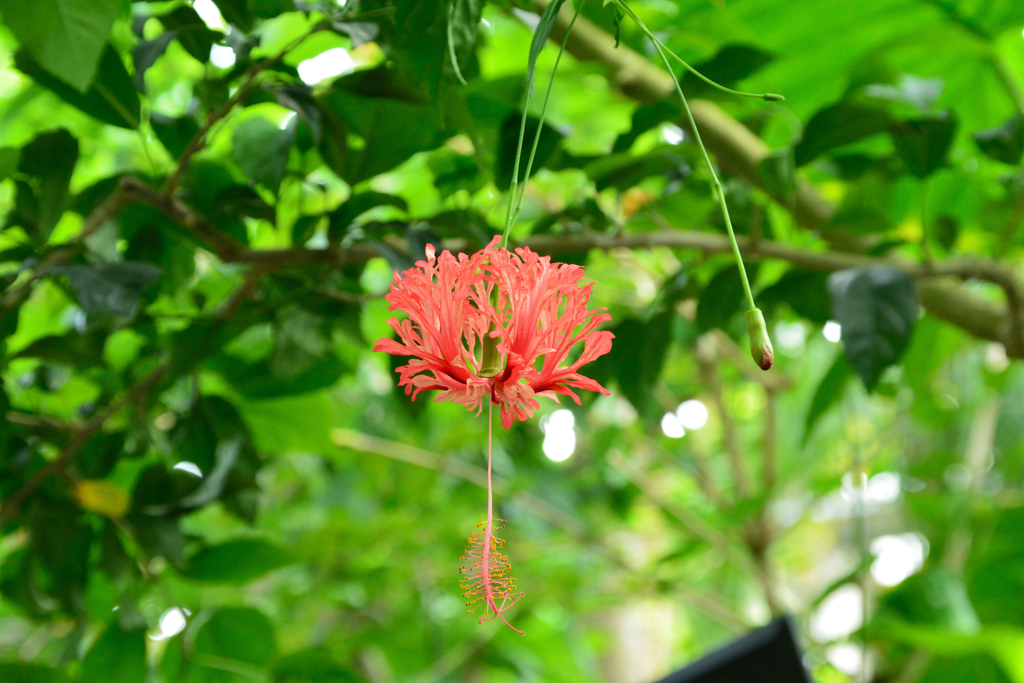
(768, 655)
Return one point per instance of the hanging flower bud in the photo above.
(760, 344)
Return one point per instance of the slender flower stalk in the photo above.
(487, 572)
(760, 344)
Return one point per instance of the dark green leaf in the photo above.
(506, 159)
(463, 20)
(8, 161)
(720, 300)
(638, 355)
(839, 125)
(730, 65)
(299, 98)
(238, 634)
(236, 561)
(116, 657)
(312, 666)
(235, 12)
(60, 540)
(260, 148)
(934, 597)
(65, 37)
(111, 97)
(191, 32)
(174, 134)
(22, 672)
(805, 291)
(924, 143)
(146, 52)
(623, 171)
(877, 308)
(113, 287)
(257, 381)
(540, 39)
(366, 136)
(646, 117)
(268, 9)
(51, 159)
(359, 31)
(1004, 143)
(356, 205)
(78, 350)
(453, 172)
(828, 393)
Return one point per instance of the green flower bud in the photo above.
(760, 344)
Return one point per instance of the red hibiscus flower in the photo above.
(531, 310)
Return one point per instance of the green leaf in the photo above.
(113, 287)
(191, 32)
(540, 39)
(312, 666)
(65, 37)
(463, 20)
(805, 291)
(257, 381)
(236, 561)
(646, 117)
(235, 645)
(22, 672)
(934, 597)
(366, 136)
(877, 308)
(146, 52)
(236, 13)
(720, 300)
(291, 423)
(174, 134)
(50, 158)
(730, 65)
(623, 171)
(268, 9)
(1004, 143)
(828, 393)
(923, 143)
(506, 159)
(355, 206)
(9, 157)
(299, 98)
(838, 125)
(111, 97)
(116, 657)
(260, 148)
(638, 355)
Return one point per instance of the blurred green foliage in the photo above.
(207, 476)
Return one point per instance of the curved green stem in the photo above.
(767, 96)
(715, 182)
(517, 195)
